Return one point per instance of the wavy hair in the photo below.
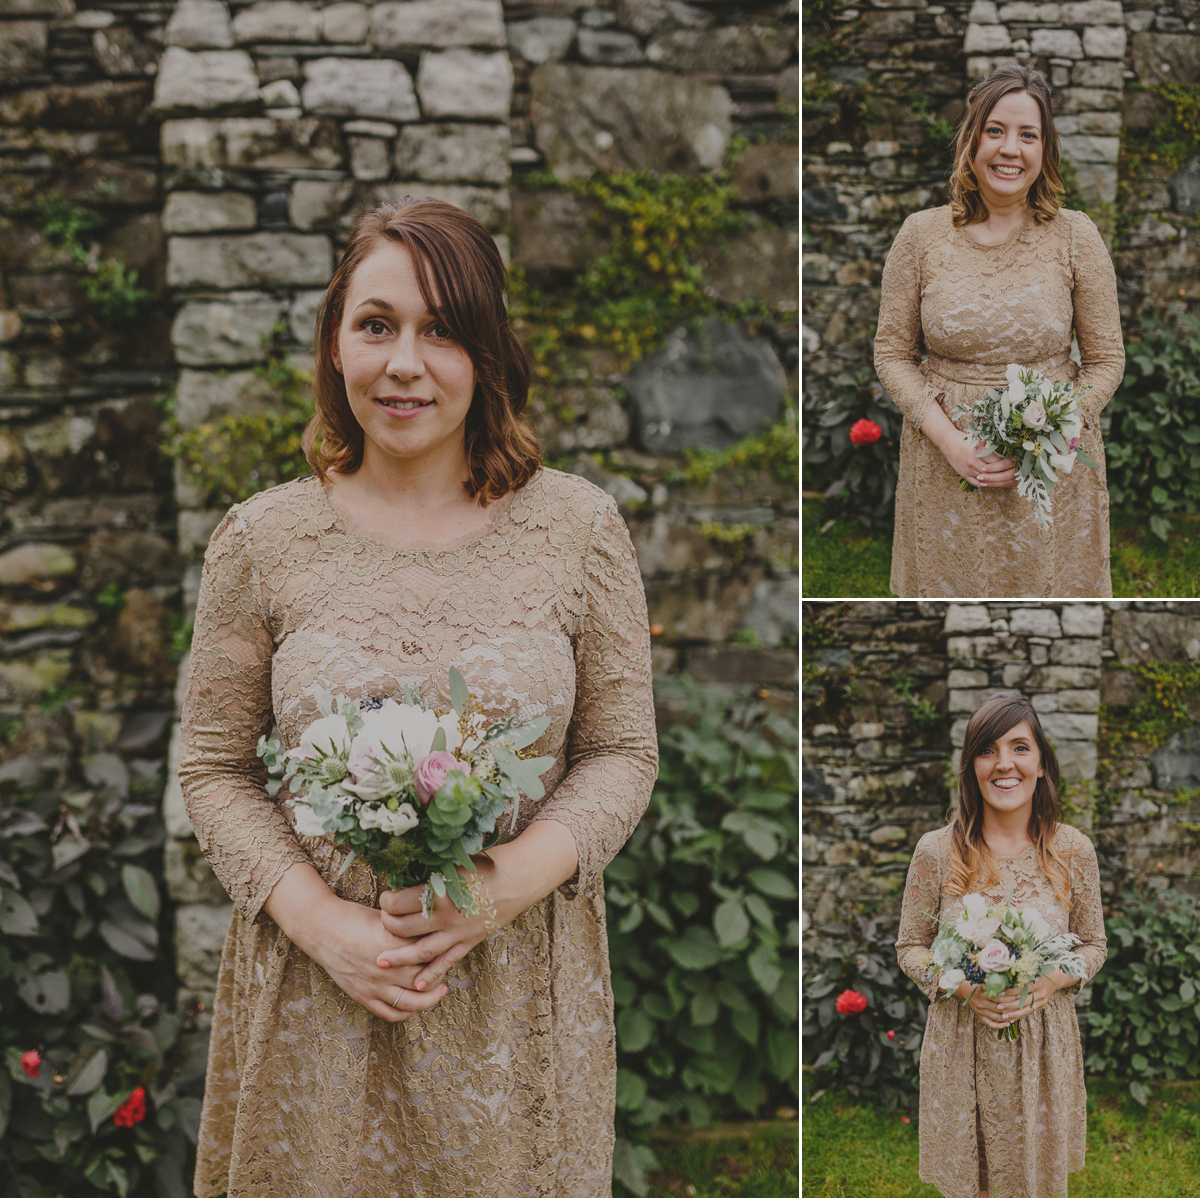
(972, 864)
(463, 281)
(966, 204)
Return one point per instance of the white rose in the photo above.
(395, 823)
(329, 734)
(1034, 918)
(308, 823)
(400, 727)
(951, 979)
(1016, 388)
(1062, 461)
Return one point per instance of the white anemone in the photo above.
(329, 734)
(395, 823)
(401, 728)
(951, 979)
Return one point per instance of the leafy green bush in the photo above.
(1144, 1021)
(702, 923)
(85, 987)
(1153, 447)
(857, 480)
(854, 1050)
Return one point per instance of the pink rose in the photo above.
(994, 957)
(431, 772)
(1034, 415)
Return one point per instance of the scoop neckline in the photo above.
(1013, 236)
(1016, 856)
(502, 516)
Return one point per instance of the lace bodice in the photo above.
(543, 613)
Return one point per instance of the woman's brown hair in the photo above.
(462, 280)
(971, 861)
(966, 204)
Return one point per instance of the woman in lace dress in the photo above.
(358, 1048)
(1000, 1119)
(1001, 274)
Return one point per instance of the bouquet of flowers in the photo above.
(411, 791)
(1036, 423)
(1001, 947)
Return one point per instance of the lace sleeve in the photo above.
(612, 751)
(246, 838)
(1087, 911)
(1097, 317)
(922, 896)
(898, 336)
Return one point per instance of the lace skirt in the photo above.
(984, 544)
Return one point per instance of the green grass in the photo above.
(856, 1150)
(847, 561)
(733, 1160)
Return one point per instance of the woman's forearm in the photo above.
(299, 902)
(939, 428)
(535, 864)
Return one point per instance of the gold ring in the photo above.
(399, 994)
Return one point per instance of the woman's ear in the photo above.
(335, 351)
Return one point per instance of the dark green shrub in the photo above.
(85, 983)
(856, 480)
(1153, 447)
(1144, 1021)
(702, 923)
(854, 1050)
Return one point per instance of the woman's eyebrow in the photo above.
(375, 303)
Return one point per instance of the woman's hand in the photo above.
(987, 1009)
(1036, 998)
(510, 879)
(989, 471)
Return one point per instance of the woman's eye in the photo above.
(375, 327)
(440, 332)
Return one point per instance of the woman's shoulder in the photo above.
(929, 223)
(568, 497)
(1071, 842)
(935, 843)
(295, 507)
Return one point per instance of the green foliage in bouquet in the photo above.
(859, 953)
(1153, 448)
(1144, 1020)
(856, 480)
(702, 924)
(85, 988)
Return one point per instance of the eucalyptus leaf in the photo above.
(460, 696)
(521, 736)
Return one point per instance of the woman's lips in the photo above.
(411, 407)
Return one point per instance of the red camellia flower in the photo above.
(905, 1119)
(31, 1062)
(132, 1110)
(850, 1002)
(863, 432)
(891, 1035)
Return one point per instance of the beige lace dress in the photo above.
(974, 309)
(1009, 1118)
(506, 1088)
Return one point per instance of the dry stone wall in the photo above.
(888, 689)
(228, 147)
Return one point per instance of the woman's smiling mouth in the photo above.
(396, 404)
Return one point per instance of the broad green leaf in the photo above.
(460, 696)
(697, 948)
(764, 969)
(17, 917)
(5, 1102)
(632, 918)
(87, 1070)
(102, 1106)
(131, 937)
(634, 1030)
(631, 1166)
(1140, 1092)
(705, 1008)
(67, 849)
(657, 1007)
(631, 1090)
(47, 993)
(140, 887)
(731, 923)
(783, 1051)
(761, 910)
(771, 883)
(1187, 991)
(745, 1023)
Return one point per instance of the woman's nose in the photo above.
(405, 360)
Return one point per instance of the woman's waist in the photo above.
(993, 374)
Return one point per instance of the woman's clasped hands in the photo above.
(1006, 1008)
(988, 471)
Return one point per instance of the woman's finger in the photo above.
(412, 927)
(402, 902)
(420, 952)
(437, 969)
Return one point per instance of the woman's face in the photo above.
(409, 382)
(1009, 156)
(1008, 769)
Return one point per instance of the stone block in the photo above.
(444, 23)
(359, 87)
(1176, 764)
(1081, 148)
(280, 93)
(1056, 43)
(1097, 183)
(1122, 688)
(960, 679)
(750, 48)
(1185, 188)
(758, 264)
(1079, 701)
(208, 212)
(774, 614)
(194, 529)
(188, 876)
(175, 815)
(541, 39)
(1102, 73)
(34, 564)
(1071, 725)
(200, 25)
(1139, 19)
(302, 315)
(1088, 99)
(345, 24)
(1077, 760)
(1034, 621)
(488, 205)
(1082, 619)
(1076, 652)
(318, 203)
(207, 80)
(1092, 12)
(587, 418)
(1105, 41)
(844, 852)
(465, 83)
(609, 47)
(1160, 58)
(228, 332)
(551, 230)
(967, 617)
(1057, 677)
(25, 680)
(249, 260)
(119, 51)
(277, 21)
(369, 158)
(1155, 636)
(204, 395)
(199, 938)
(22, 48)
(599, 118)
(454, 153)
(987, 39)
(1044, 703)
(888, 834)
(1021, 11)
(967, 700)
(713, 390)
(755, 667)
(255, 143)
(983, 12)
(768, 171)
